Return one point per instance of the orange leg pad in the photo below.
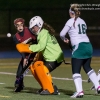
(48, 73)
(43, 77)
(34, 74)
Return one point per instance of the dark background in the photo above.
(54, 12)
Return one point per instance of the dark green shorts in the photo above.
(82, 51)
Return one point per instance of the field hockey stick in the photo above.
(69, 45)
(66, 62)
(26, 67)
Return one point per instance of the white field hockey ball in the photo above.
(8, 35)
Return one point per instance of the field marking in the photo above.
(57, 78)
(7, 64)
(2, 83)
(2, 96)
(7, 73)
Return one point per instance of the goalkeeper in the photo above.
(51, 51)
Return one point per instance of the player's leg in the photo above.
(36, 73)
(51, 65)
(76, 67)
(19, 79)
(44, 77)
(32, 68)
(19, 84)
(91, 73)
(98, 75)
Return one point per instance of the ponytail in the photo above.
(49, 28)
(75, 9)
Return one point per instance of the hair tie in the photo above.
(71, 11)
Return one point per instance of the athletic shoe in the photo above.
(98, 90)
(56, 92)
(19, 88)
(78, 95)
(39, 91)
(44, 92)
(19, 85)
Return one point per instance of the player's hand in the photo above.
(25, 62)
(66, 40)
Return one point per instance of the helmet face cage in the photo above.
(37, 20)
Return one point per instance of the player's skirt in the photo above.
(83, 50)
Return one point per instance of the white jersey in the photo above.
(77, 32)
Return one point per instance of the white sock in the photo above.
(92, 75)
(98, 75)
(78, 82)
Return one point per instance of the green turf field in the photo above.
(62, 77)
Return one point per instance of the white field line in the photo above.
(2, 96)
(8, 64)
(57, 78)
(2, 83)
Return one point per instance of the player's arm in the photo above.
(63, 33)
(22, 48)
(42, 42)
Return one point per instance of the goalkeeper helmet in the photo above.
(37, 20)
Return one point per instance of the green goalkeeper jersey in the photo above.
(48, 45)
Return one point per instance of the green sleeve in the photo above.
(42, 41)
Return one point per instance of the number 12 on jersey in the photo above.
(82, 28)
